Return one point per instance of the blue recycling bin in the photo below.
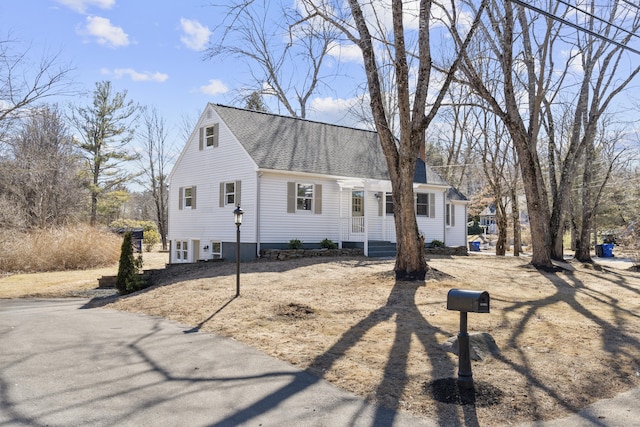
(607, 250)
(474, 246)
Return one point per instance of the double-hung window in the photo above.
(450, 215)
(304, 197)
(230, 193)
(209, 136)
(388, 201)
(426, 204)
(187, 197)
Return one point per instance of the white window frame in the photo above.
(419, 204)
(450, 215)
(182, 250)
(216, 253)
(186, 199)
(306, 199)
(209, 136)
(228, 194)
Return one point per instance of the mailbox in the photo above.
(468, 301)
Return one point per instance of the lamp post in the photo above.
(237, 218)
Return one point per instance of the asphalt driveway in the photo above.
(62, 365)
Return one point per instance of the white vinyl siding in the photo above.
(205, 170)
(279, 220)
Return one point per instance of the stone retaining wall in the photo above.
(455, 250)
(285, 254)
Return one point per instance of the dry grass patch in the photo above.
(567, 338)
(70, 283)
(58, 249)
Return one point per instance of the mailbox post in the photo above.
(466, 301)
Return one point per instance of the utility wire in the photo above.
(571, 24)
(591, 15)
(631, 4)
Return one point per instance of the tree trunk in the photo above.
(538, 208)
(515, 214)
(583, 249)
(410, 258)
(502, 224)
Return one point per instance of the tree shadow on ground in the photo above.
(176, 273)
(400, 308)
(615, 335)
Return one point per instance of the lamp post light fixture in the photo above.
(237, 218)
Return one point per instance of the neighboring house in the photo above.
(488, 215)
(488, 219)
(294, 179)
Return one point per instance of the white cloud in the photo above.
(81, 6)
(196, 36)
(345, 52)
(215, 87)
(343, 111)
(136, 76)
(105, 33)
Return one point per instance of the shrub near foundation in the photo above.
(68, 248)
(128, 279)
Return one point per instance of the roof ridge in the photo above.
(268, 113)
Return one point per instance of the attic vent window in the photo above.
(209, 114)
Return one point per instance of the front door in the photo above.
(357, 211)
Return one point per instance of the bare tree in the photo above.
(365, 28)
(40, 174)
(155, 164)
(24, 82)
(106, 128)
(603, 78)
(524, 48)
(600, 159)
(285, 55)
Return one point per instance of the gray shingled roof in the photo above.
(292, 144)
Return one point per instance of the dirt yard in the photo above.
(567, 338)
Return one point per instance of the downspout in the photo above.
(258, 176)
(366, 222)
(340, 219)
(383, 220)
(464, 228)
(444, 222)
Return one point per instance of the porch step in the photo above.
(381, 249)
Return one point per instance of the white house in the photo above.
(294, 179)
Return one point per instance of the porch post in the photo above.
(366, 221)
(340, 226)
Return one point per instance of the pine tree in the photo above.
(128, 279)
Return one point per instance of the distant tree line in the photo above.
(74, 164)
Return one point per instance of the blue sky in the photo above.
(152, 49)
